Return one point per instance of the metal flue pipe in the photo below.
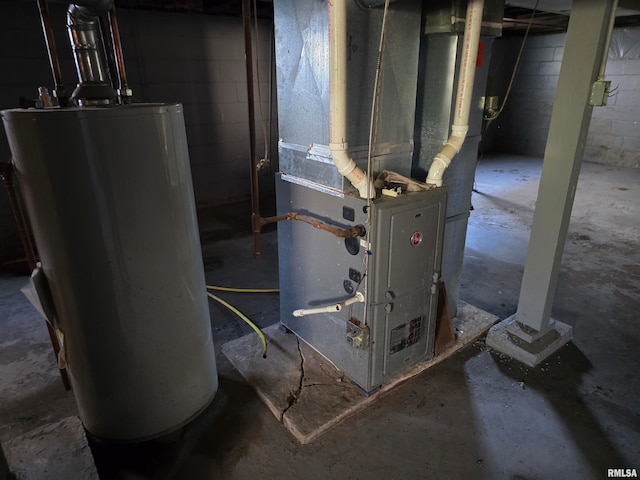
(94, 87)
(460, 125)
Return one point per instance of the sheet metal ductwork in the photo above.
(441, 48)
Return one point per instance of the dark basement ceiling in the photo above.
(209, 7)
(551, 16)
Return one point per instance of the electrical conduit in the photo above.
(338, 100)
(460, 125)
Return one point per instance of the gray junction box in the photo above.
(395, 327)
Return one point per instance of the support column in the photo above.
(531, 335)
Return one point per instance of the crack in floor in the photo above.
(294, 395)
(346, 386)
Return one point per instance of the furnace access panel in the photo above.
(398, 270)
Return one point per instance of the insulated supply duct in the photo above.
(460, 125)
(94, 87)
(338, 144)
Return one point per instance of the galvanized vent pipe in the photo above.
(338, 100)
(94, 87)
(460, 126)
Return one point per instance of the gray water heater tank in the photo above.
(110, 199)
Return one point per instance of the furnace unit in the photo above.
(367, 302)
(350, 74)
(397, 270)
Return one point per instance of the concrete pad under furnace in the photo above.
(306, 392)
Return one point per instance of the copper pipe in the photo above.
(123, 88)
(6, 172)
(109, 50)
(59, 91)
(255, 189)
(357, 231)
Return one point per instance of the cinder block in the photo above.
(533, 41)
(595, 154)
(628, 99)
(225, 28)
(226, 49)
(542, 54)
(631, 143)
(529, 68)
(558, 53)
(600, 125)
(233, 70)
(631, 67)
(614, 67)
(627, 128)
(550, 68)
(608, 141)
(623, 158)
(622, 83)
(554, 40)
(616, 112)
(176, 70)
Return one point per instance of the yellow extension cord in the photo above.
(243, 290)
(238, 312)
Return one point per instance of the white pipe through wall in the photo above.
(338, 100)
(337, 307)
(460, 126)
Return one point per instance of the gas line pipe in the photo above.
(357, 231)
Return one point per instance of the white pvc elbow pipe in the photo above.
(338, 101)
(357, 298)
(460, 125)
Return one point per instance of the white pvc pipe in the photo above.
(460, 125)
(338, 100)
(357, 298)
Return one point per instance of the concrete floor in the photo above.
(478, 414)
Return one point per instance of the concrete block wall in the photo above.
(614, 134)
(197, 60)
